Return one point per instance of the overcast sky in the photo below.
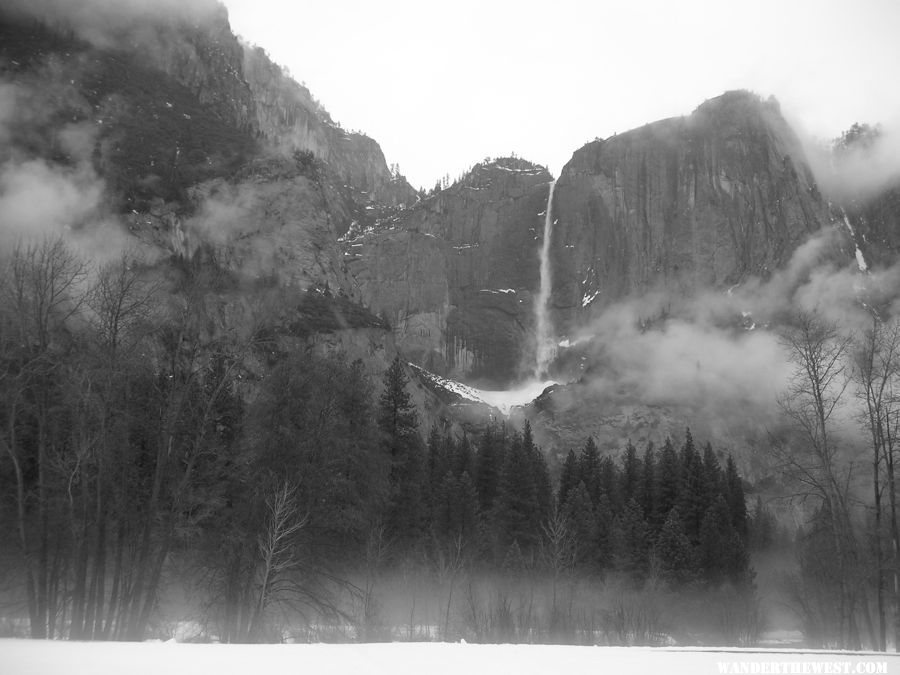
(441, 86)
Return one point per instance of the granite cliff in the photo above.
(702, 201)
(456, 273)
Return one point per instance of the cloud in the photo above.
(719, 354)
(109, 23)
(40, 198)
(859, 171)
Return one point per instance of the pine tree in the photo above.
(589, 469)
(735, 498)
(649, 487)
(580, 521)
(691, 502)
(604, 534)
(721, 552)
(398, 421)
(631, 475)
(437, 465)
(463, 458)
(668, 480)
(488, 464)
(713, 482)
(543, 489)
(673, 551)
(632, 541)
(568, 478)
(397, 415)
(610, 482)
(515, 505)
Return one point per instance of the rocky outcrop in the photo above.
(456, 274)
(289, 118)
(705, 200)
(402, 275)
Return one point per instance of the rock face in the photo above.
(289, 118)
(706, 200)
(456, 274)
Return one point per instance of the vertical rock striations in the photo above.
(684, 203)
(464, 266)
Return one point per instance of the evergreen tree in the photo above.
(463, 458)
(735, 498)
(397, 415)
(632, 541)
(673, 551)
(580, 521)
(691, 495)
(668, 480)
(604, 534)
(516, 501)
(488, 464)
(589, 469)
(631, 475)
(610, 482)
(437, 465)
(398, 421)
(712, 476)
(721, 552)
(649, 487)
(456, 511)
(543, 490)
(568, 479)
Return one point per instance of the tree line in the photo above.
(151, 440)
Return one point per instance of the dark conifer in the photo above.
(668, 480)
(488, 464)
(673, 551)
(589, 469)
(631, 475)
(398, 421)
(650, 488)
(735, 498)
(712, 476)
(632, 541)
(691, 494)
(610, 481)
(581, 523)
(721, 552)
(516, 501)
(568, 479)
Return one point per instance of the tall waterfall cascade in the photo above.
(545, 345)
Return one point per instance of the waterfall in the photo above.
(545, 348)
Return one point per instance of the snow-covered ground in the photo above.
(21, 657)
(504, 401)
(510, 398)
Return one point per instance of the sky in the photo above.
(441, 86)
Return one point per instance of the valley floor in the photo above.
(33, 657)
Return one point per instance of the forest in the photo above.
(159, 453)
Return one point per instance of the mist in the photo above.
(112, 23)
(719, 353)
(41, 198)
(860, 171)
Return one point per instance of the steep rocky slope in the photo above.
(456, 273)
(685, 203)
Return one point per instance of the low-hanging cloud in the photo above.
(720, 353)
(858, 171)
(44, 198)
(111, 23)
